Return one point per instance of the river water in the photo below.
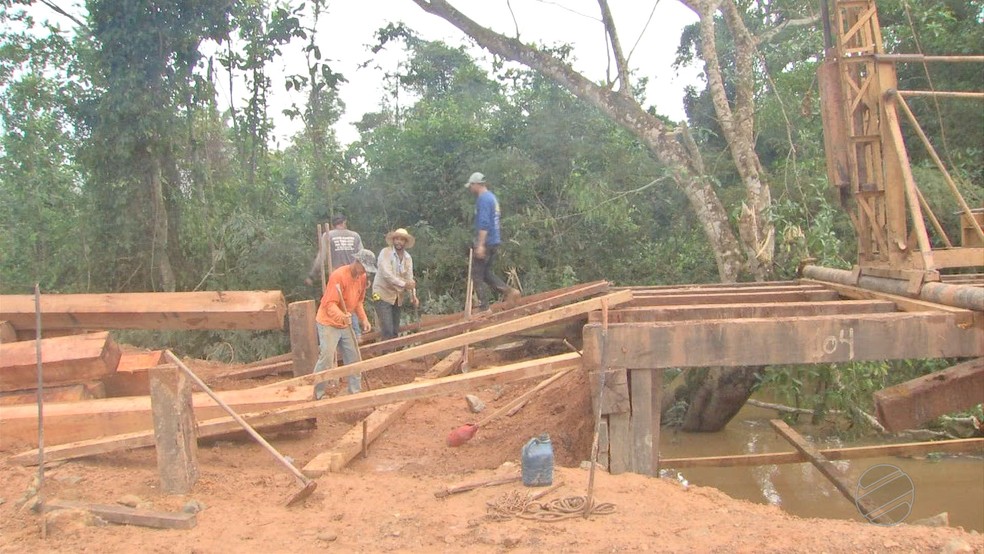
(951, 483)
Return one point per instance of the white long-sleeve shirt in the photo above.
(392, 275)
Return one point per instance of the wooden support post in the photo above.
(829, 470)
(641, 420)
(657, 417)
(303, 336)
(174, 429)
(619, 443)
(603, 444)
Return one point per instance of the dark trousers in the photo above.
(388, 316)
(482, 274)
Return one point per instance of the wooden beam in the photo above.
(174, 429)
(709, 286)
(785, 340)
(149, 310)
(814, 295)
(912, 403)
(254, 372)
(75, 421)
(965, 317)
(856, 452)
(132, 377)
(350, 445)
(72, 359)
(643, 292)
(619, 443)
(615, 398)
(548, 317)
(61, 393)
(123, 515)
(303, 336)
(528, 306)
(735, 311)
(829, 470)
(455, 383)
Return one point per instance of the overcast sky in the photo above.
(349, 26)
(649, 31)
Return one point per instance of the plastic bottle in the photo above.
(538, 462)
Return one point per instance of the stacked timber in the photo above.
(69, 360)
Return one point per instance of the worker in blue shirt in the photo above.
(486, 244)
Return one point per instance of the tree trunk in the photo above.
(159, 227)
(719, 397)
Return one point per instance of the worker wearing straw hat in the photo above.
(394, 285)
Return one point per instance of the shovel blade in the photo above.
(303, 493)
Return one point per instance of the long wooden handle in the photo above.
(523, 398)
(242, 422)
(355, 339)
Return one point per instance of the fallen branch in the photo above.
(465, 487)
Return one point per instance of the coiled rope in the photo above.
(515, 504)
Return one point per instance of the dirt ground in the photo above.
(387, 503)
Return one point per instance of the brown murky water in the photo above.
(952, 483)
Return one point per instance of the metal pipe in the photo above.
(968, 297)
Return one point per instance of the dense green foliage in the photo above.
(119, 170)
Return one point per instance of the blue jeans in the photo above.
(482, 274)
(388, 317)
(332, 339)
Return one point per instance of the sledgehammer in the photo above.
(309, 485)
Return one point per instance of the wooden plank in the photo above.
(910, 404)
(72, 359)
(124, 515)
(256, 372)
(425, 389)
(709, 286)
(75, 421)
(615, 398)
(303, 336)
(619, 443)
(7, 332)
(644, 292)
(852, 453)
(964, 316)
(829, 470)
(528, 306)
(548, 317)
(61, 393)
(735, 311)
(785, 340)
(735, 298)
(149, 310)
(350, 445)
(174, 429)
(132, 377)
(641, 421)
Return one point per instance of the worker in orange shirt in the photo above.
(334, 320)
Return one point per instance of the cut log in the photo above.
(124, 515)
(74, 421)
(908, 405)
(424, 389)
(303, 336)
(351, 444)
(131, 375)
(62, 393)
(548, 317)
(149, 310)
(7, 332)
(73, 359)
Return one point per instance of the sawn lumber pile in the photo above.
(110, 424)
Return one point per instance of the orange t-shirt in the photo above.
(353, 290)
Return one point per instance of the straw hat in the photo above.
(401, 232)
